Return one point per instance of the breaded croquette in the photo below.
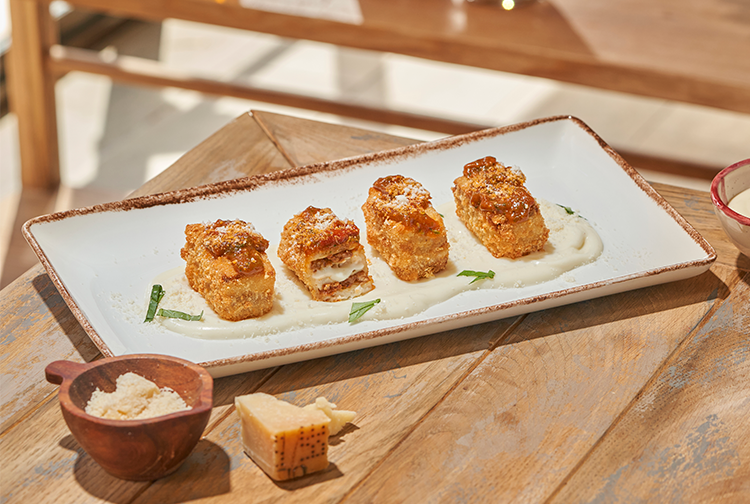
(404, 228)
(326, 255)
(494, 204)
(228, 266)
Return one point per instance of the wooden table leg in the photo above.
(32, 92)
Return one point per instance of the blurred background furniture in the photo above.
(684, 50)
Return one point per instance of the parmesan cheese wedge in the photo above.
(284, 440)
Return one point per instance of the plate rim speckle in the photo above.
(232, 364)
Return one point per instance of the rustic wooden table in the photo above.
(636, 397)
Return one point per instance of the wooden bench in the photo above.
(685, 50)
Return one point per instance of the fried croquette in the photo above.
(326, 255)
(494, 204)
(405, 229)
(228, 266)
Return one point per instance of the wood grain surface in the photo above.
(685, 437)
(539, 402)
(639, 396)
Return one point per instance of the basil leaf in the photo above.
(179, 315)
(480, 275)
(359, 309)
(157, 292)
(567, 209)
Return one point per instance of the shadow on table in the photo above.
(205, 473)
(642, 305)
(663, 301)
(331, 473)
(64, 317)
(743, 264)
(384, 359)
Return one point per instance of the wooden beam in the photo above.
(134, 70)
(31, 93)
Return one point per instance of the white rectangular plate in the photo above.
(114, 251)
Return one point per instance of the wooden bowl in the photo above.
(140, 450)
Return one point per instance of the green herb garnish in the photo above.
(157, 292)
(567, 209)
(179, 315)
(359, 309)
(480, 275)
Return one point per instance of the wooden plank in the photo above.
(38, 328)
(685, 438)
(535, 405)
(142, 71)
(134, 70)
(697, 209)
(305, 142)
(699, 55)
(391, 387)
(47, 462)
(31, 93)
(239, 149)
(18, 256)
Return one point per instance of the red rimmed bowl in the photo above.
(731, 181)
(140, 450)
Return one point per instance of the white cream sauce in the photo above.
(741, 203)
(572, 243)
(338, 272)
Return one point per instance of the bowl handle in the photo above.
(58, 371)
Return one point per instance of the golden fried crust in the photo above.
(326, 255)
(494, 204)
(404, 228)
(226, 263)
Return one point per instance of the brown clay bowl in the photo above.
(140, 450)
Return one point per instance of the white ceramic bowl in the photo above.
(731, 181)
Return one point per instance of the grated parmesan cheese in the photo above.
(134, 398)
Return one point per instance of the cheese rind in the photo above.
(284, 440)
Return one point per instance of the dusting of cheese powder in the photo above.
(134, 398)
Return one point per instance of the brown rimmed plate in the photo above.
(104, 259)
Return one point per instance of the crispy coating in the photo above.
(226, 263)
(326, 255)
(405, 229)
(494, 204)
